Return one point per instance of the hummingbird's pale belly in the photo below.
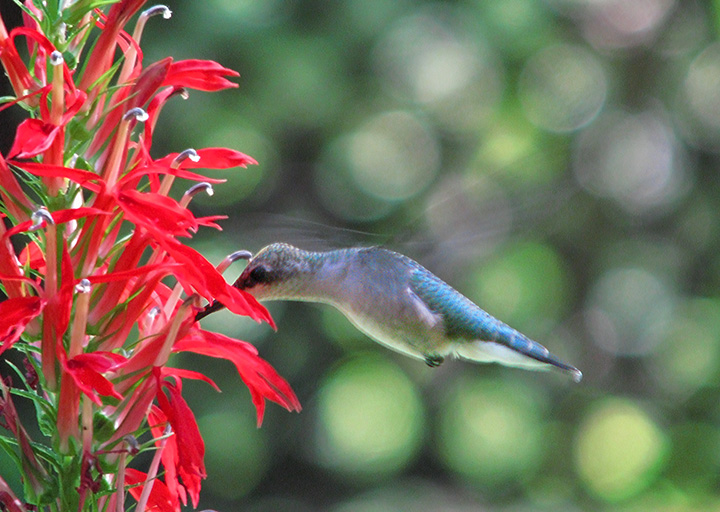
(414, 339)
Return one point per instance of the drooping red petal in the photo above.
(32, 137)
(10, 265)
(15, 68)
(15, 314)
(168, 371)
(160, 215)
(160, 499)
(190, 445)
(87, 369)
(261, 379)
(213, 158)
(158, 421)
(204, 75)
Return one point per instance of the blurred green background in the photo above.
(556, 161)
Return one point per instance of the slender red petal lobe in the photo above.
(204, 75)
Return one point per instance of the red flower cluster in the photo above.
(98, 238)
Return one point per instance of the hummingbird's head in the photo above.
(272, 270)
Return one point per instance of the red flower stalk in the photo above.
(90, 236)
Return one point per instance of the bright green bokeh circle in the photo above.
(619, 449)
(370, 419)
(688, 357)
(491, 431)
(526, 285)
(236, 453)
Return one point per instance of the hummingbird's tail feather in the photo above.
(520, 352)
(210, 308)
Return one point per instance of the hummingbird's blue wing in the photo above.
(477, 335)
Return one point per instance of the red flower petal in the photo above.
(32, 137)
(158, 421)
(261, 379)
(145, 86)
(87, 179)
(33, 257)
(204, 75)
(190, 446)
(14, 66)
(213, 158)
(141, 292)
(15, 314)
(161, 169)
(160, 499)
(100, 59)
(168, 371)
(160, 215)
(86, 370)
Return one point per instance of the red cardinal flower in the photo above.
(101, 287)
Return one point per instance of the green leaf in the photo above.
(75, 13)
(7, 444)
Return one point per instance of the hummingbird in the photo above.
(395, 301)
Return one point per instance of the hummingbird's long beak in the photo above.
(215, 305)
(210, 308)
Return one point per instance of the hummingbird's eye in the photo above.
(259, 274)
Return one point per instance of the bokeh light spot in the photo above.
(424, 57)
(526, 284)
(429, 57)
(633, 159)
(338, 191)
(491, 431)
(629, 310)
(236, 453)
(619, 449)
(370, 420)
(229, 16)
(702, 95)
(519, 26)
(393, 156)
(690, 350)
(562, 88)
